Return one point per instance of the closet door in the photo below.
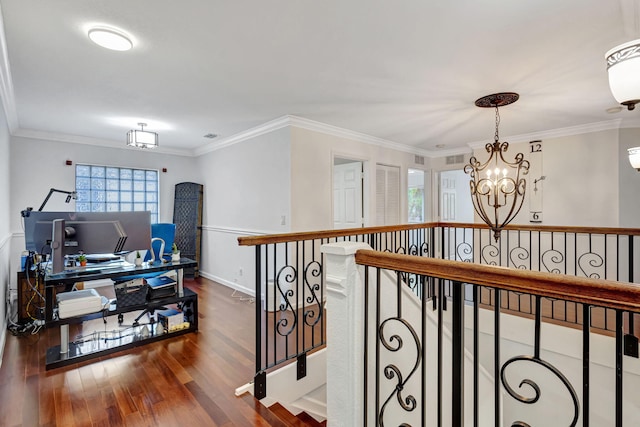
(187, 216)
(387, 195)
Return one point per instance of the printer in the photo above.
(78, 303)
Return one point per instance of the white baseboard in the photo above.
(229, 284)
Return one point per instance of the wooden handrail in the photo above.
(328, 234)
(550, 228)
(597, 292)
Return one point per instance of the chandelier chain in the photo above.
(496, 138)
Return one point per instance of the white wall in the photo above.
(5, 229)
(629, 180)
(581, 181)
(247, 191)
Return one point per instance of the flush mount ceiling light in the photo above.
(110, 39)
(623, 66)
(497, 197)
(142, 138)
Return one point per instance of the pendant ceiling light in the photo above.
(623, 66)
(497, 185)
(142, 138)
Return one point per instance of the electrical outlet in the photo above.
(240, 272)
(283, 220)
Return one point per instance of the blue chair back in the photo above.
(166, 232)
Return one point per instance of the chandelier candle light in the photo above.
(497, 186)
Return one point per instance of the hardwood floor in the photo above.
(185, 380)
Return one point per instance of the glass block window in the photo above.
(113, 189)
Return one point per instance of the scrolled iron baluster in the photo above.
(424, 249)
(522, 254)
(313, 269)
(413, 249)
(289, 274)
(490, 251)
(536, 388)
(463, 250)
(394, 344)
(412, 282)
(554, 256)
(595, 261)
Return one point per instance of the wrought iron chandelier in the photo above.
(498, 194)
(142, 138)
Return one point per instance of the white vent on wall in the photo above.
(419, 160)
(454, 160)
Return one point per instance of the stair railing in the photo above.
(546, 390)
(290, 288)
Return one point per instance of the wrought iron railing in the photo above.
(290, 321)
(400, 388)
(289, 275)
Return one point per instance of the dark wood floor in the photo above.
(184, 380)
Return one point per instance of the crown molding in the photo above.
(312, 125)
(6, 82)
(372, 140)
(98, 142)
(253, 132)
(555, 133)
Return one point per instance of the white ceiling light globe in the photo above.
(623, 65)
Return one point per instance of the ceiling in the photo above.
(403, 71)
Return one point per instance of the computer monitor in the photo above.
(88, 232)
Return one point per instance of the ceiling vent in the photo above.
(418, 160)
(454, 160)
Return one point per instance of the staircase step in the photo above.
(313, 403)
(310, 421)
(290, 420)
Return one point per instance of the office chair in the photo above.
(162, 238)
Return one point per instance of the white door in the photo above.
(347, 195)
(455, 199)
(456, 206)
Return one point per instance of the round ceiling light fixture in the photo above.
(110, 39)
